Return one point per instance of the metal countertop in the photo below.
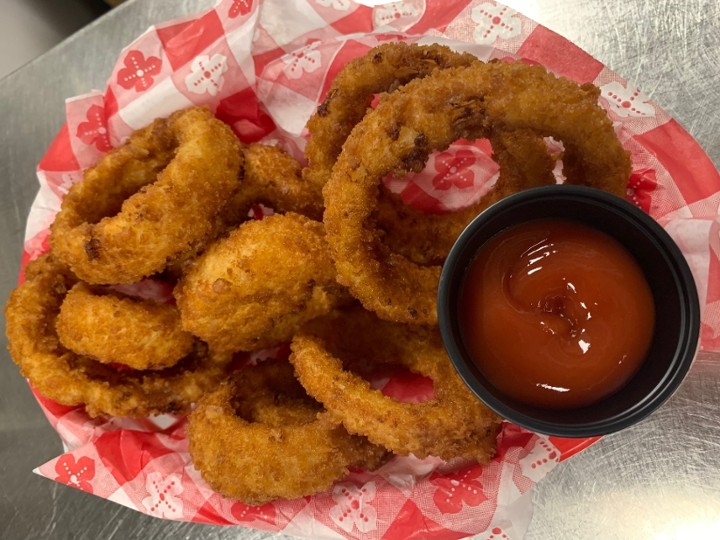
(658, 480)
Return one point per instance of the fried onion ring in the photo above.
(383, 69)
(149, 201)
(422, 237)
(426, 238)
(429, 114)
(255, 288)
(115, 329)
(270, 176)
(259, 437)
(274, 178)
(452, 424)
(71, 379)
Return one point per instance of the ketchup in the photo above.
(556, 314)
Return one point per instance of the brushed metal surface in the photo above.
(658, 480)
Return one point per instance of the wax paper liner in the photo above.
(263, 67)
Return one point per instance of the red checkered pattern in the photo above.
(263, 66)
(149, 469)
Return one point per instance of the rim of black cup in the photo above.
(451, 281)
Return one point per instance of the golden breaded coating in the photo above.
(259, 437)
(115, 329)
(70, 379)
(273, 178)
(383, 69)
(149, 201)
(429, 114)
(255, 288)
(426, 238)
(422, 237)
(455, 423)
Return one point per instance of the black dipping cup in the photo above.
(677, 311)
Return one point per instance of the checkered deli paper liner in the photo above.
(262, 67)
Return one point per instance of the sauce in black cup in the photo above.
(676, 319)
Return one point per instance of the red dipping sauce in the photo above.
(556, 314)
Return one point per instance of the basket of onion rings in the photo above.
(228, 311)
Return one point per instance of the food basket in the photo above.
(263, 66)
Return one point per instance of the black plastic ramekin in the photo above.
(677, 311)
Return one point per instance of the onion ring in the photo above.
(269, 176)
(422, 237)
(429, 114)
(426, 238)
(71, 379)
(259, 437)
(115, 329)
(149, 201)
(274, 178)
(255, 288)
(382, 69)
(452, 424)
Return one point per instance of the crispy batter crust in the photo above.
(429, 114)
(272, 177)
(256, 287)
(421, 237)
(259, 437)
(426, 239)
(149, 201)
(453, 424)
(112, 328)
(384, 69)
(70, 379)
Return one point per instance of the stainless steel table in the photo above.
(658, 480)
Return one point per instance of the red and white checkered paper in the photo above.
(263, 66)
